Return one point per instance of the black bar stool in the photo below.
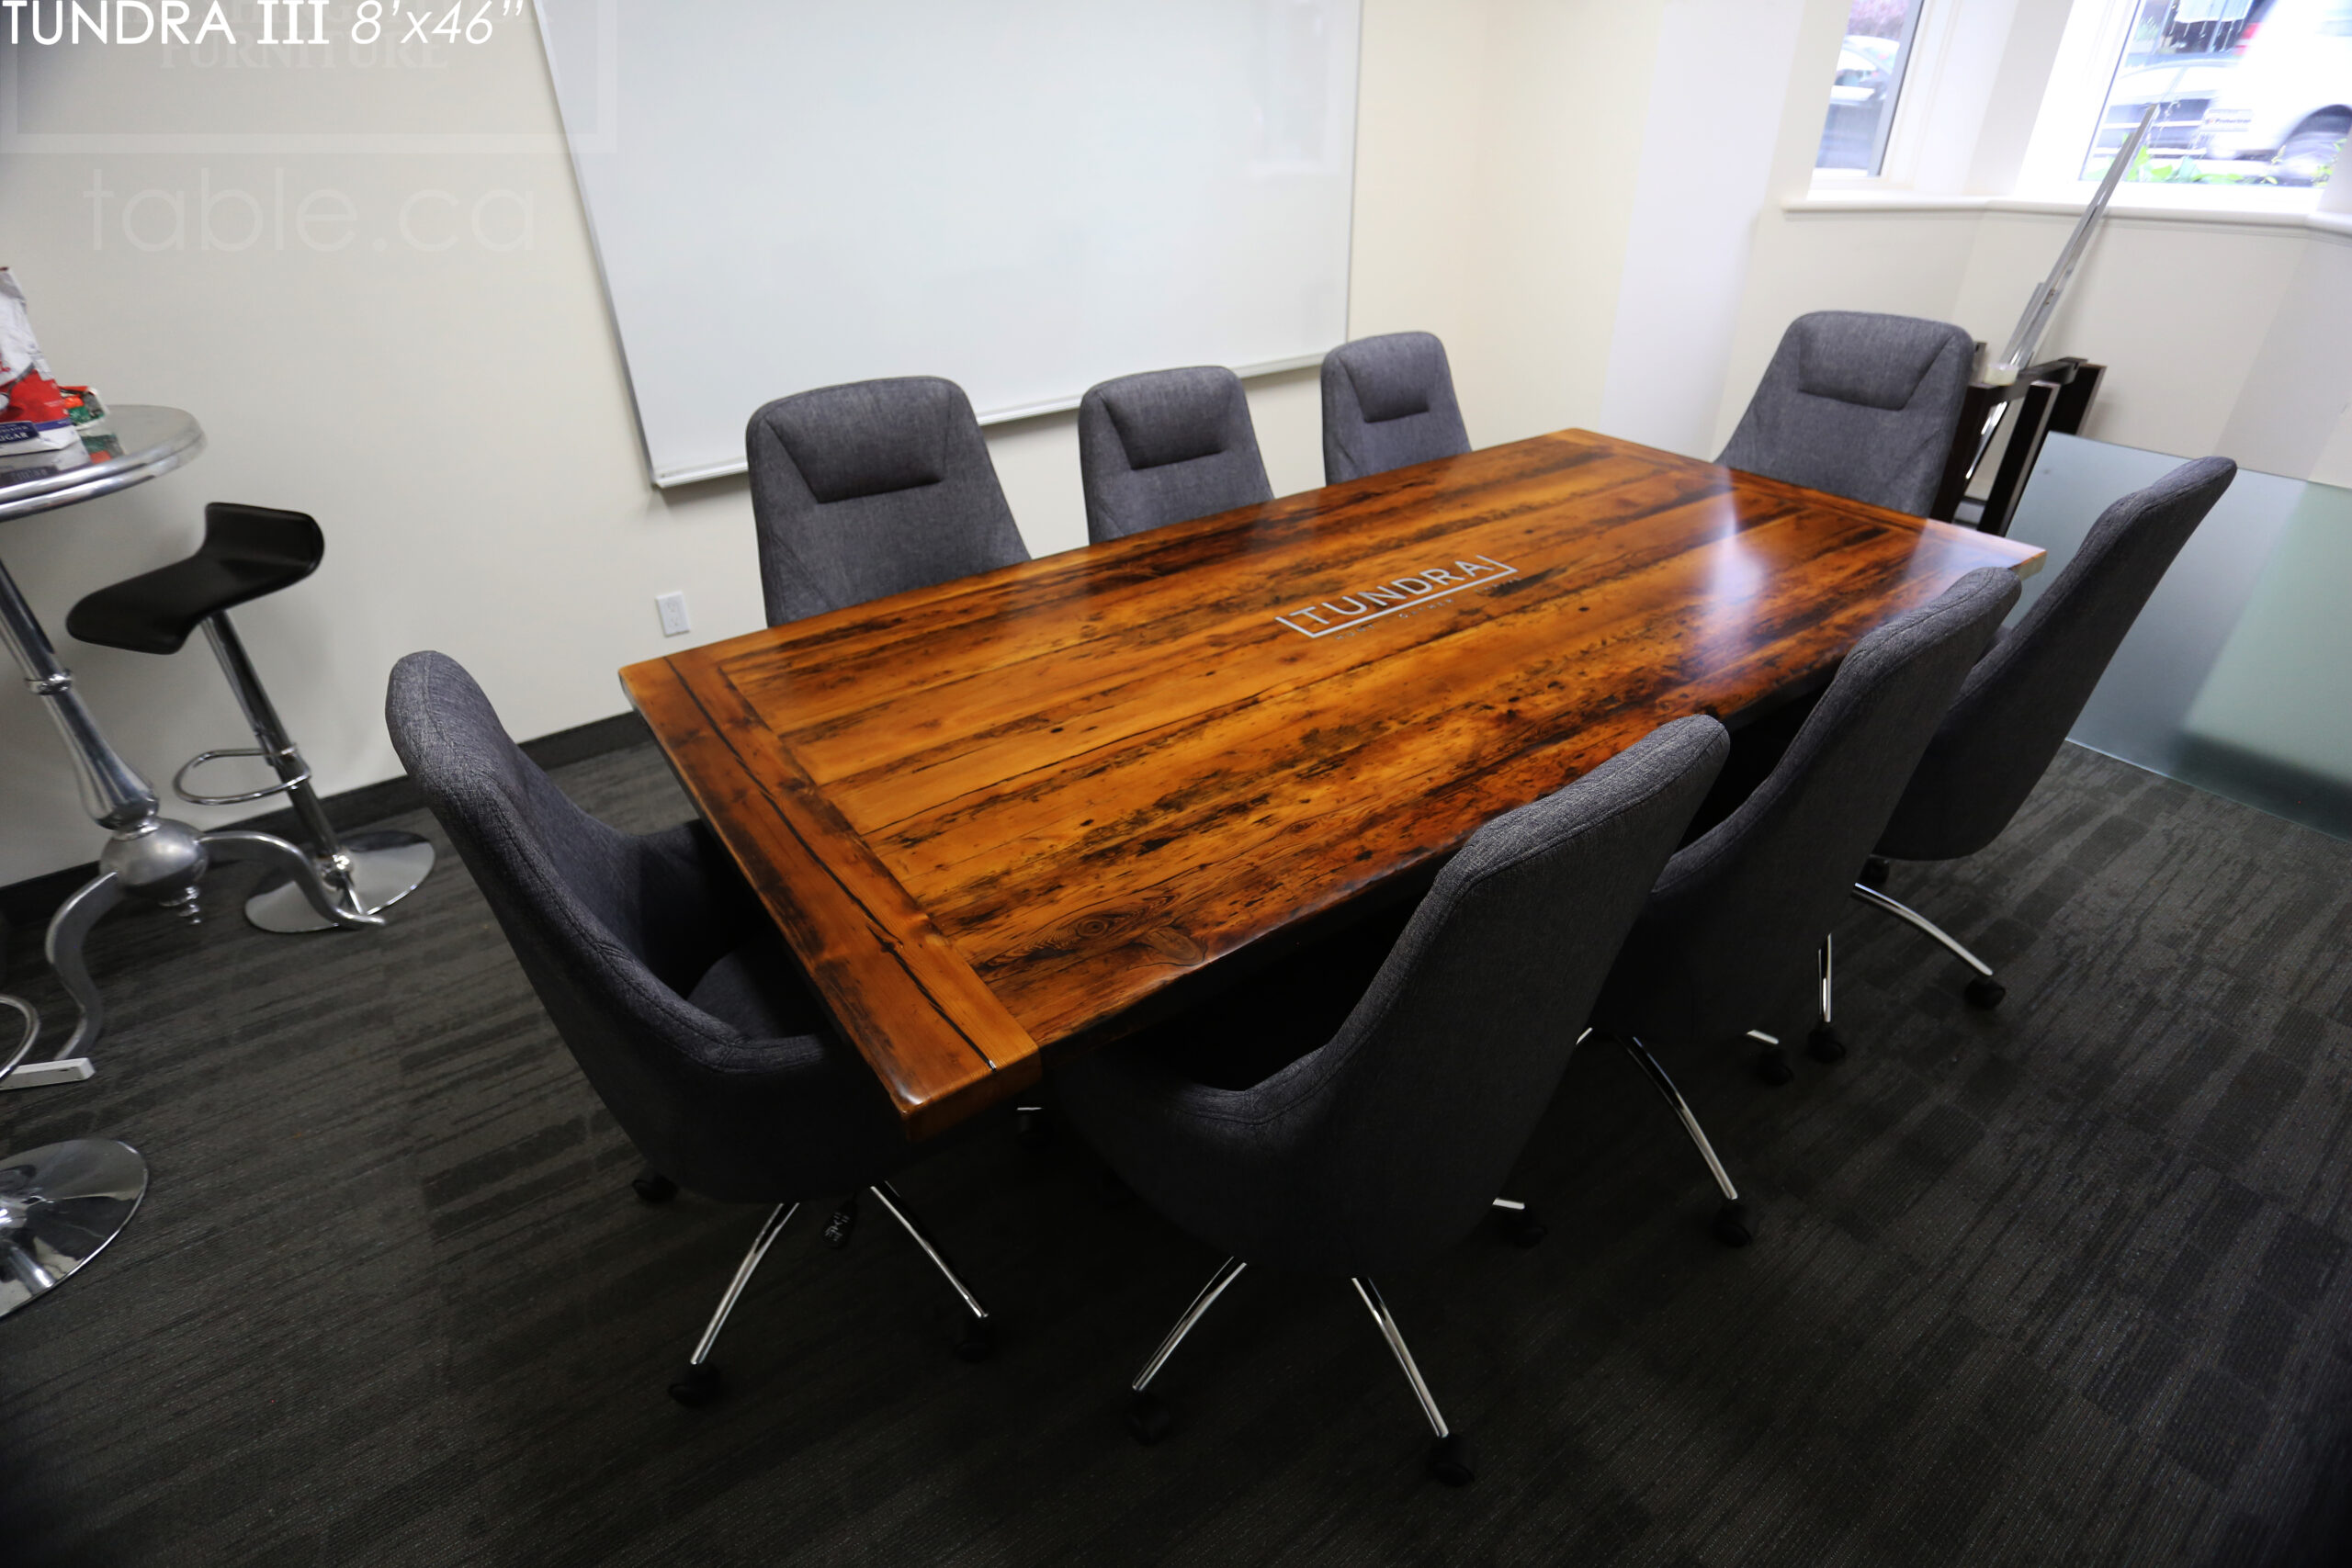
(250, 551)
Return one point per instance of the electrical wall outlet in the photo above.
(674, 621)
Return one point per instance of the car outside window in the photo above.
(2246, 92)
(1870, 61)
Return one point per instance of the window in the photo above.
(2245, 92)
(1871, 63)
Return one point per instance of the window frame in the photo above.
(1884, 146)
(1946, 81)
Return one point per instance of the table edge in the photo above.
(911, 963)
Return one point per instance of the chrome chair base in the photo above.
(1734, 1225)
(699, 1382)
(386, 867)
(60, 1206)
(1824, 1044)
(1984, 991)
(1150, 1419)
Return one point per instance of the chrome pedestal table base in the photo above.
(59, 1205)
(62, 1203)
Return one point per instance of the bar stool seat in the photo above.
(249, 552)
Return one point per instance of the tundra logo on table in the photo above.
(1338, 614)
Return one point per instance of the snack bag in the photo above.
(35, 418)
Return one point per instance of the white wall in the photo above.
(1705, 175)
(457, 418)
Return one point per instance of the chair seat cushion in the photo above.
(758, 988)
(1240, 1038)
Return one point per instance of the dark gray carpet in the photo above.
(2059, 1284)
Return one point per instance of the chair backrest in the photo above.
(2017, 704)
(872, 489)
(1860, 405)
(1388, 401)
(1384, 1145)
(612, 929)
(1728, 937)
(1167, 447)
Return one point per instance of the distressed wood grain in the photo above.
(992, 815)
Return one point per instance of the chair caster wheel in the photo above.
(1450, 1460)
(654, 1188)
(842, 1225)
(1986, 993)
(697, 1385)
(1772, 1067)
(1148, 1417)
(1033, 1127)
(978, 1342)
(1523, 1228)
(1822, 1044)
(1732, 1226)
(1874, 873)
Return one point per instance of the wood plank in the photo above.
(941, 1043)
(995, 814)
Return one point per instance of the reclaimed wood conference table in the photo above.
(997, 817)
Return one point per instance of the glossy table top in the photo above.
(140, 442)
(996, 815)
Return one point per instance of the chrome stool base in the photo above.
(59, 1205)
(387, 865)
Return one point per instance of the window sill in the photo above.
(2290, 211)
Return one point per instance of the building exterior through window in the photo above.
(1871, 59)
(2245, 92)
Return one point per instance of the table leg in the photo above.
(112, 791)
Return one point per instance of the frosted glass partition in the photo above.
(2233, 679)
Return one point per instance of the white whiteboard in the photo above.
(1024, 196)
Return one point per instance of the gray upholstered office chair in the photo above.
(1860, 405)
(1722, 947)
(669, 983)
(872, 489)
(2017, 704)
(1388, 401)
(1167, 447)
(1356, 1110)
